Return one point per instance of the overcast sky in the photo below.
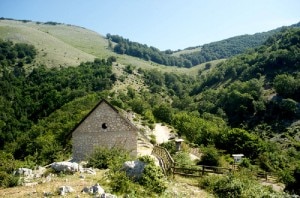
(165, 24)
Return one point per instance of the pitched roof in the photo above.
(99, 103)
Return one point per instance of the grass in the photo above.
(177, 187)
(186, 51)
(52, 51)
(66, 45)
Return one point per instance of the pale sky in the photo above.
(165, 24)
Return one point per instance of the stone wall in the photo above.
(104, 127)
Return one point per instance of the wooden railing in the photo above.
(199, 170)
(166, 161)
(170, 167)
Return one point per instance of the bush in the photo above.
(151, 182)
(210, 157)
(183, 159)
(119, 182)
(8, 180)
(152, 178)
(293, 184)
(103, 157)
(170, 146)
(240, 184)
(152, 139)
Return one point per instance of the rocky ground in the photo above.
(177, 187)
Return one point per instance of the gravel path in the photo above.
(162, 133)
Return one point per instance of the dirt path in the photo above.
(162, 133)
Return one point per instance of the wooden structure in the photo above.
(170, 167)
(165, 160)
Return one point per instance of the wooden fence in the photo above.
(170, 167)
(199, 170)
(165, 159)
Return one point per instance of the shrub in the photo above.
(119, 182)
(240, 184)
(151, 182)
(152, 178)
(8, 180)
(183, 159)
(210, 157)
(245, 163)
(293, 184)
(153, 139)
(103, 157)
(170, 146)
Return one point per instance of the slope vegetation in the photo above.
(228, 47)
(52, 51)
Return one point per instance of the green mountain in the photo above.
(266, 79)
(51, 76)
(192, 56)
(228, 47)
(61, 45)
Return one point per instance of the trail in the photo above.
(162, 133)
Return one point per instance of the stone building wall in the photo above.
(103, 127)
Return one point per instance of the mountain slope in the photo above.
(259, 86)
(67, 45)
(52, 51)
(228, 47)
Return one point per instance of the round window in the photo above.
(104, 126)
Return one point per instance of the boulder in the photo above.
(47, 194)
(88, 171)
(96, 189)
(107, 195)
(65, 189)
(65, 166)
(26, 172)
(86, 190)
(39, 171)
(134, 169)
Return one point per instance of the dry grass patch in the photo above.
(68, 180)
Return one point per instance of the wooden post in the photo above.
(202, 170)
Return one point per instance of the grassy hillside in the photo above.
(52, 51)
(187, 51)
(67, 45)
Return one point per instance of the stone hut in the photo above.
(104, 126)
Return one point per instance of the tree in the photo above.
(163, 112)
(210, 157)
(286, 85)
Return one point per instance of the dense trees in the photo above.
(288, 86)
(28, 96)
(124, 46)
(227, 48)
(212, 51)
(241, 82)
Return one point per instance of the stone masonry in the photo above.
(103, 127)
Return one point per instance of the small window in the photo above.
(104, 126)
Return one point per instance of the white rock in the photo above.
(134, 169)
(66, 166)
(26, 172)
(97, 189)
(65, 189)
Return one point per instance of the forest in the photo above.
(211, 51)
(247, 104)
